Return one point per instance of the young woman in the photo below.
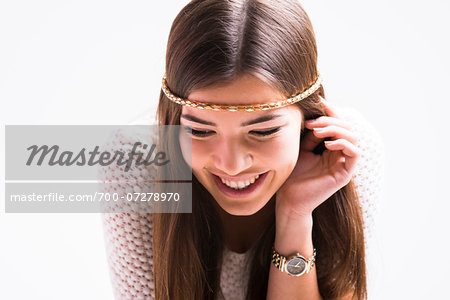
(277, 169)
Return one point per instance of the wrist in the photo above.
(290, 223)
(294, 235)
(293, 229)
(299, 213)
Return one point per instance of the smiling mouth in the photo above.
(243, 191)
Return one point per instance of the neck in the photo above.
(241, 232)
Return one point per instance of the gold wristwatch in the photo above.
(295, 265)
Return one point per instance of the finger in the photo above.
(325, 121)
(335, 132)
(350, 151)
(310, 141)
(330, 109)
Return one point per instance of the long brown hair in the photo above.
(213, 42)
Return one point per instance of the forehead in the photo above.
(245, 90)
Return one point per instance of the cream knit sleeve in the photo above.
(128, 235)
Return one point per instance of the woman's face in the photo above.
(237, 146)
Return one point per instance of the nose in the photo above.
(231, 157)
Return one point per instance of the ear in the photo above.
(321, 146)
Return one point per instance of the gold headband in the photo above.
(253, 107)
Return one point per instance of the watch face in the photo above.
(296, 266)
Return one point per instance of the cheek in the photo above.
(194, 153)
(284, 153)
(200, 154)
(279, 153)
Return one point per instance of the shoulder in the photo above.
(369, 141)
(367, 134)
(369, 171)
(137, 136)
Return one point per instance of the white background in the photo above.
(101, 62)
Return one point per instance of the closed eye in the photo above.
(200, 133)
(266, 132)
(203, 133)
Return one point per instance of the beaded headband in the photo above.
(253, 107)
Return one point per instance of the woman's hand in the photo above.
(316, 177)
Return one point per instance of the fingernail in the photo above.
(317, 129)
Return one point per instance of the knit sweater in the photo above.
(128, 236)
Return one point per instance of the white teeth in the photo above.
(239, 184)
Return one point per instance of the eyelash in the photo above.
(201, 133)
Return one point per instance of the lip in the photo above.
(247, 192)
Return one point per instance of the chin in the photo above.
(244, 209)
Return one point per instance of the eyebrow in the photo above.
(261, 119)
